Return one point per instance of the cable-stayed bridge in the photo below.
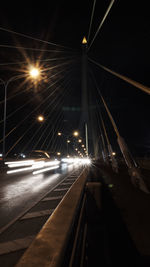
(65, 160)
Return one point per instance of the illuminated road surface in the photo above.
(18, 192)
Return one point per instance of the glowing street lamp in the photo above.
(76, 133)
(34, 72)
(40, 118)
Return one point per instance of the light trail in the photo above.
(45, 170)
(34, 165)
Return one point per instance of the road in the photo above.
(19, 192)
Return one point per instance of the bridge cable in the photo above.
(36, 132)
(32, 38)
(93, 9)
(43, 132)
(33, 110)
(20, 138)
(140, 86)
(8, 116)
(34, 49)
(41, 125)
(39, 60)
(100, 25)
(23, 91)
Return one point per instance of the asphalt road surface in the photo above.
(19, 192)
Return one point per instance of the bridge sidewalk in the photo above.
(134, 205)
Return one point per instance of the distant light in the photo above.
(77, 160)
(76, 133)
(80, 141)
(82, 145)
(59, 133)
(84, 41)
(40, 118)
(110, 185)
(22, 155)
(58, 153)
(1, 154)
(86, 161)
(113, 153)
(68, 141)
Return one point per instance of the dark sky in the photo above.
(122, 45)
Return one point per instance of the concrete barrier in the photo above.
(49, 246)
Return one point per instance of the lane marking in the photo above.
(36, 214)
(52, 198)
(16, 244)
(61, 189)
(5, 227)
(68, 183)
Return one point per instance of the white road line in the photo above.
(52, 198)
(68, 183)
(61, 189)
(2, 229)
(37, 214)
(15, 245)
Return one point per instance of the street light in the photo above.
(75, 133)
(32, 73)
(5, 84)
(40, 118)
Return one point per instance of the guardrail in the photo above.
(61, 241)
(86, 229)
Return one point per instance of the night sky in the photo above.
(121, 45)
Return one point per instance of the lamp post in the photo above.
(68, 142)
(5, 84)
(33, 73)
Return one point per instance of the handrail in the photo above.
(48, 248)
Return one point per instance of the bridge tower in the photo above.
(84, 103)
